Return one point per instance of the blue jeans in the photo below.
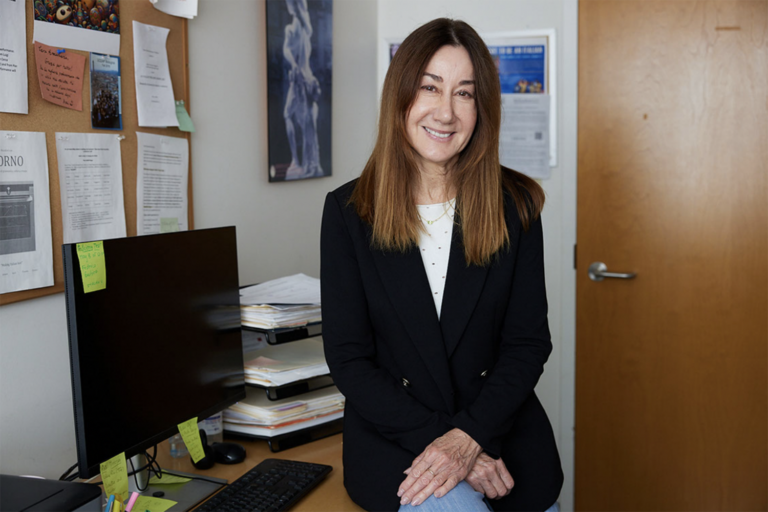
(462, 498)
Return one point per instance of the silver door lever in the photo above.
(597, 272)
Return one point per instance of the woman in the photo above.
(434, 308)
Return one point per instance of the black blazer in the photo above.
(409, 378)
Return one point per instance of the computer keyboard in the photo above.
(273, 485)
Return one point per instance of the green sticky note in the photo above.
(114, 476)
(169, 224)
(148, 503)
(168, 479)
(92, 266)
(185, 122)
(191, 436)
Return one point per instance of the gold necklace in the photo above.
(446, 206)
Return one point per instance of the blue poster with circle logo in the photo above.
(522, 68)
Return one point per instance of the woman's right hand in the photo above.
(490, 477)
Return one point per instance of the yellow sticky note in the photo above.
(168, 479)
(169, 224)
(191, 436)
(144, 503)
(92, 266)
(114, 476)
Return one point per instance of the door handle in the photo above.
(597, 272)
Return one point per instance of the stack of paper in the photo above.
(285, 302)
(282, 364)
(257, 415)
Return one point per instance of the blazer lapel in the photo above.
(463, 286)
(405, 281)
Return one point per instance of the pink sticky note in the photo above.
(60, 76)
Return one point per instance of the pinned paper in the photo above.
(168, 479)
(185, 122)
(191, 436)
(150, 504)
(114, 476)
(169, 224)
(60, 76)
(92, 266)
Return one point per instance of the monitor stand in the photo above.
(186, 495)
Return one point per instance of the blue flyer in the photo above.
(106, 103)
(522, 68)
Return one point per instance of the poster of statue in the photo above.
(299, 68)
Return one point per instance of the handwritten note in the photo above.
(148, 503)
(114, 476)
(191, 436)
(92, 266)
(60, 76)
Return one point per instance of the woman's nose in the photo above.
(444, 112)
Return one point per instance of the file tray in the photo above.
(295, 388)
(296, 438)
(288, 334)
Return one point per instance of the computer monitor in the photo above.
(160, 345)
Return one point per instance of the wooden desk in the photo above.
(329, 496)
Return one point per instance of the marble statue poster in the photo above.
(299, 66)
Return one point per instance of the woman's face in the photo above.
(442, 118)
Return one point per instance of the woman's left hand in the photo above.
(439, 468)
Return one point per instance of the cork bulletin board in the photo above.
(49, 118)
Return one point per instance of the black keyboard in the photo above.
(273, 485)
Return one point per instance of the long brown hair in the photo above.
(384, 194)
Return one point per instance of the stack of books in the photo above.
(287, 302)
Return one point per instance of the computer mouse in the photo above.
(228, 453)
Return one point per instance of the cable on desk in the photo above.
(66, 476)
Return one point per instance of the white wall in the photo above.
(278, 224)
(396, 19)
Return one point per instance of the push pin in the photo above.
(60, 51)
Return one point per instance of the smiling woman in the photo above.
(442, 118)
(434, 306)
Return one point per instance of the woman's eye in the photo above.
(466, 94)
(430, 88)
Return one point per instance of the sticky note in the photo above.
(152, 504)
(92, 266)
(169, 224)
(114, 476)
(60, 76)
(185, 122)
(168, 479)
(191, 436)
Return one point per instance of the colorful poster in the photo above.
(106, 98)
(299, 69)
(522, 69)
(87, 25)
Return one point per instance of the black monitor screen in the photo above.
(158, 346)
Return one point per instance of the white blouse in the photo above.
(435, 245)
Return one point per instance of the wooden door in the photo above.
(671, 381)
